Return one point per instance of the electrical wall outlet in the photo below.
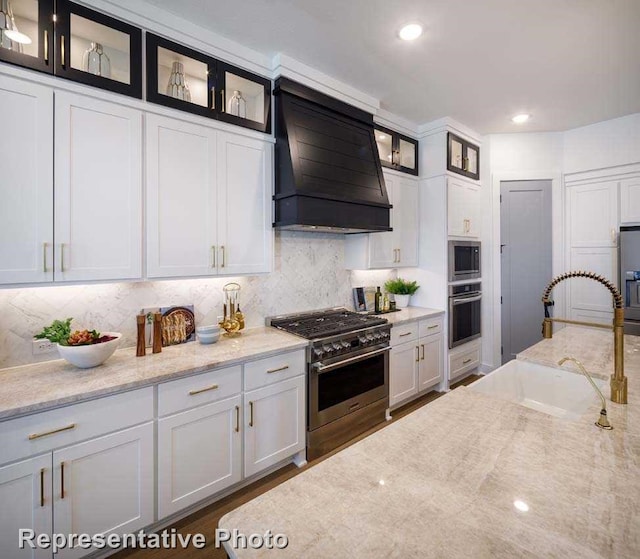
(41, 347)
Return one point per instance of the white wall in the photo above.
(605, 144)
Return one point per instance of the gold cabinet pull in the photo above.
(432, 327)
(44, 257)
(284, 368)
(237, 419)
(422, 348)
(62, 51)
(405, 334)
(465, 163)
(222, 99)
(42, 487)
(201, 390)
(467, 361)
(62, 257)
(399, 256)
(224, 259)
(53, 432)
(213, 256)
(250, 414)
(213, 98)
(46, 45)
(417, 354)
(62, 480)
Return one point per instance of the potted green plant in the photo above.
(401, 290)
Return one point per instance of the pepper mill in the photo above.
(141, 348)
(157, 332)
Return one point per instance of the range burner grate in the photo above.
(326, 323)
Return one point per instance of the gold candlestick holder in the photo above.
(233, 321)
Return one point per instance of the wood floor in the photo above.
(206, 520)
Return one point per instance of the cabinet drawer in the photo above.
(404, 333)
(45, 431)
(464, 361)
(196, 390)
(274, 369)
(430, 326)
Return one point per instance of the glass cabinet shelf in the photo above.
(397, 151)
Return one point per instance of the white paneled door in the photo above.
(104, 485)
(98, 193)
(181, 198)
(199, 454)
(25, 503)
(26, 182)
(245, 230)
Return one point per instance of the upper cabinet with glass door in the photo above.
(185, 79)
(397, 151)
(98, 50)
(26, 33)
(463, 157)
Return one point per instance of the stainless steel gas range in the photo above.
(347, 373)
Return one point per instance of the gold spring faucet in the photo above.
(618, 380)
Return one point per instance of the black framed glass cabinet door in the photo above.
(180, 77)
(26, 33)
(98, 50)
(244, 98)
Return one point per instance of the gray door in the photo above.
(525, 237)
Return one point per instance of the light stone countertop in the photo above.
(442, 481)
(51, 384)
(410, 314)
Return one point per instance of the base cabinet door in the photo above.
(275, 424)
(199, 454)
(25, 504)
(403, 381)
(98, 190)
(26, 186)
(431, 366)
(104, 485)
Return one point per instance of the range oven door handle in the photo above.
(324, 368)
(464, 300)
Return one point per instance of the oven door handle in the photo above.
(324, 368)
(464, 300)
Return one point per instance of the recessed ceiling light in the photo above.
(18, 37)
(521, 119)
(410, 32)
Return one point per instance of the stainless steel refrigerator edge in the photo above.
(630, 277)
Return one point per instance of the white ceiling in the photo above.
(567, 62)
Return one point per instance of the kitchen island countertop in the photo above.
(42, 386)
(444, 480)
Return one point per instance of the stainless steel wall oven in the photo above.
(465, 303)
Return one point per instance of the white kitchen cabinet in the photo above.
(199, 454)
(592, 212)
(392, 249)
(98, 189)
(245, 232)
(275, 424)
(464, 208)
(25, 503)
(588, 295)
(416, 361)
(431, 364)
(26, 188)
(104, 485)
(403, 381)
(208, 201)
(464, 359)
(630, 201)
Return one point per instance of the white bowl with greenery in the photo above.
(401, 290)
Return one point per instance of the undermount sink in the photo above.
(557, 392)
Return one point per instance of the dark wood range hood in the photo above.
(328, 173)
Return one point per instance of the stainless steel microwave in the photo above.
(464, 260)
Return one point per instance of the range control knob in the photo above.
(362, 340)
(318, 352)
(370, 337)
(345, 345)
(337, 346)
(327, 348)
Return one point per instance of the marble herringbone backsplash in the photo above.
(308, 274)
